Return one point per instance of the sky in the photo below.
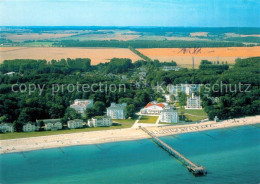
(167, 13)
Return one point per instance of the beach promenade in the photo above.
(106, 136)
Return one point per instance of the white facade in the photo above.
(169, 115)
(117, 111)
(6, 127)
(76, 123)
(153, 108)
(167, 97)
(169, 68)
(28, 127)
(100, 121)
(50, 124)
(10, 73)
(185, 88)
(80, 105)
(193, 102)
(57, 126)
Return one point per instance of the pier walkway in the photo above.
(192, 167)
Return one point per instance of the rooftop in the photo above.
(155, 104)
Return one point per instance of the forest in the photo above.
(22, 107)
(237, 88)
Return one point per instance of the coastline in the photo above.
(116, 135)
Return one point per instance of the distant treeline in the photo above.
(153, 30)
(42, 66)
(208, 65)
(68, 66)
(146, 44)
(244, 39)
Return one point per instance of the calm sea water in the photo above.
(230, 156)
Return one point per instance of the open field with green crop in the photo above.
(192, 114)
(148, 119)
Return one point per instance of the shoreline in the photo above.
(116, 135)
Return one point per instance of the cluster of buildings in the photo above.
(193, 101)
(167, 113)
(115, 111)
(188, 89)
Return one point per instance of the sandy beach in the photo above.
(106, 136)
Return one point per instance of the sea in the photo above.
(230, 155)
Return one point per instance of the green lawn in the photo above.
(37, 44)
(148, 119)
(192, 114)
(15, 135)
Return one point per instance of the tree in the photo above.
(130, 110)
(70, 114)
(3, 119)
(126, 100)
(89, 113)
(18, 126)
(182, 98)
(99, 108)
(160, 100)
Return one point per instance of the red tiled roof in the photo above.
(152, 104)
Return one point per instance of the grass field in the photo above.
(193, 114)
(15, 135)
(148, 119)
(184, 57)
(97, 55)
(37, 44)
(126, 123)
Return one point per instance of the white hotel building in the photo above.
(117, 111)
(100, 121)
(80, 105)
(30, 127)
(153, 108)
(169, 115)
(76, 123)
(193, 102)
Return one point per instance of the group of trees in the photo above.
(146, 43)
(21, 107)
(208, 65)
(237, 89)
(227, 86)
(42, 66)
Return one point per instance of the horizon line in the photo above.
(135, 26)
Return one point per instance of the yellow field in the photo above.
(184, 57)
(250, 35)
(97, 55)
(205, 34)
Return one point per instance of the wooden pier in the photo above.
(192, 167)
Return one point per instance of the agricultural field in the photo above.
(97, 55)
(20, 37)
(183, 56)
